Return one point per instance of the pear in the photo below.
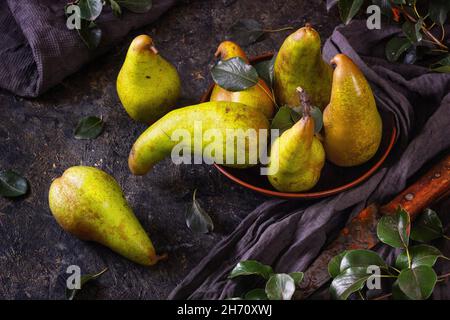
(259, 96)
(297, 156)
(352, 123)
(299, 63)
(89, 204)
(217, 118)
(147, 85)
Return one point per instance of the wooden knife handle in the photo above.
(431, 187)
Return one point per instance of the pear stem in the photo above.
(305, 102)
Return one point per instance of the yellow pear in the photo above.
(147, 85)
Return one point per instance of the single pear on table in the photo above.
(217, 118)
(147, 85)
(89, 203)
(259, 96)
(351, 121)
(299, 63)
(297, 156)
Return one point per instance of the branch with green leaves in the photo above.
(423, 41)
(90, 10)
(412, 276)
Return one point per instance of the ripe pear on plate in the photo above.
(89, 203)
(258, 97)
(297, 156)
(147, 85)
(299, 63)
(351, 121)
(157, 143)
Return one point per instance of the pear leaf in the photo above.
(71, 293)
(394, 229)
(412, 30)
(361, 258)
(417, 283)
(421, 255)
(396, 47)
(256, 294)
(297, 276)
(251, 267)
(12, 184)
(438, 11)
(284, 119)
(90, 9)
(265, 70)
(334, 266)
(427, 227)
(442, 65)
(115, 7)
(280, 286)
(397, 293)
(197, 219)
(234, 74)
(348, 9)
(89, 128)
(246, 31)
(136, 6)
(90, 34)
(348, 282)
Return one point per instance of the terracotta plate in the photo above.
(333, 179)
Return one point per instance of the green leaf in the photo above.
(256, 294)
(251, 267)
(397, 293)
(417, 283)
(246, 31)
(197, 219)
(297, 276)
(438, 11)
(280, 286)
(90, 34)
(394, 229)
(442, 65)
(348, 282)
(412, 30)
(12, 184)
(234, 74)
(427, 227)
(89, 128)
(115, 7)
(71, 293)
(361, 258)
(265, 70)
(396, 47)
(90, 9)
(334, 266)
(284, 119)
(136, 6)
(421, 255)
(317, 115)
(348, 9)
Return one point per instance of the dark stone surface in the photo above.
(36, 139)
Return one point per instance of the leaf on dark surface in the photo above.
(115, 7)
(90, 9)
(136, 6)
(265, 70)
(12, 184)
(297, 276)
(413, 30)
(71, 293)
(197, 219)
(421, 255)
(361, 258)
(348, 282)
(234, 74)
(246, 31)
(256, 294)
(442, 65)
(90, 34)
(438, 10)
(284, 119)
(417, 283)
(280, 286)
(89, 128)
(396, 47)
(397, 293)
(394, 229)
(427, 227)
(348, 9)
(251, 267)
(334, 266)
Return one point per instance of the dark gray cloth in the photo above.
(37, 51)
(289, 235)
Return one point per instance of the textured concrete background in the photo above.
(36, 139)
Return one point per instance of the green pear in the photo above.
(351, 122)
(259, 96)
(297, 156)
(147, 85)
(299, 63)
(216, 118)
(89, 204)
